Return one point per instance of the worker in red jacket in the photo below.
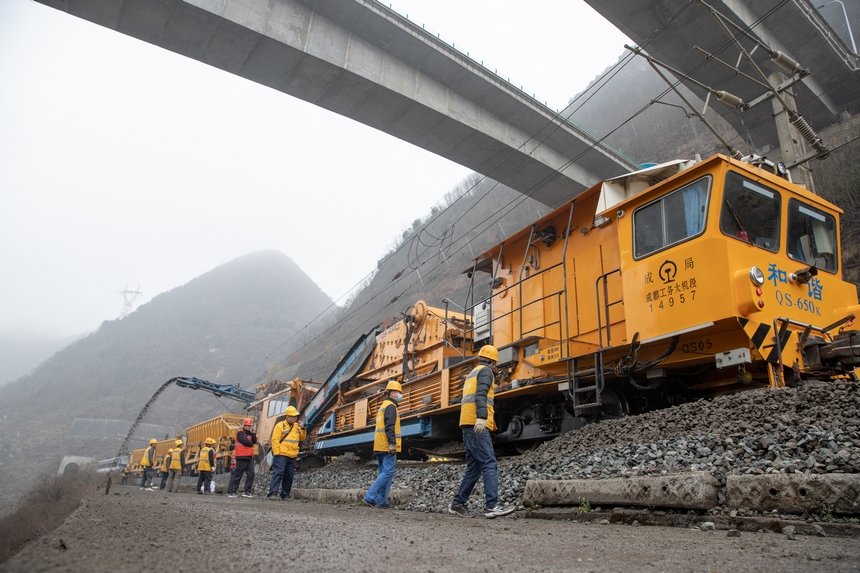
(243, 451)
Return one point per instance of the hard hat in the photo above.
(247, 422)
(153, 441)
(394, 385)
(291, 411)
(178, 443)
(489, 352)
(210, 441)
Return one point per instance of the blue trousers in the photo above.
(283, 469)
(378, 492)
(480, 461)
(146, 480)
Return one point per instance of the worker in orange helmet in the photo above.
(286, 439)
(386, 445)
(243, 451)
(476, 422)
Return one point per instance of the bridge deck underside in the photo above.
(831, 88)
(358, 59)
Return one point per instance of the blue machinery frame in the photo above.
(419, 428)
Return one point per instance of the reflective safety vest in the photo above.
(148, 454)
(380, 438)
(164, 461)
(286, 439)
(176, 459)
(468, 409)
(240, 449)
(204, 464)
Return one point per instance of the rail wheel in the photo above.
(523, 415)
(614, 406)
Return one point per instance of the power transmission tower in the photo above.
(129, 296)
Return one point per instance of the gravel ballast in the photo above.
(814, 429)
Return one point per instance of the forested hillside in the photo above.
(219, 327)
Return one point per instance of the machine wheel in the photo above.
(524, 446)
(614, 406)
(523, 415)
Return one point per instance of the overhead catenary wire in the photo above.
(613, 71)
(560, 118)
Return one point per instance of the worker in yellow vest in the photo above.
(386, 445)
(146, 464)
(286, 438)
(165, 470)
(174, 467)
(476, 418)
(204, 466)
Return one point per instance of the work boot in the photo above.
(458, 509)
(499, 511)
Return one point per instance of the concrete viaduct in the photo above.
(364, 61)
(819, 39)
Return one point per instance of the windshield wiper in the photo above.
(742, 234)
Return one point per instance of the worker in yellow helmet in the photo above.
(476, 417)
(286, 438)
(146, 464)
(386, 445)
(175, 466)
(205, 464)
(165, 468)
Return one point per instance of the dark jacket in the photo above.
(245, 444)
(390, 420)
(485, 382)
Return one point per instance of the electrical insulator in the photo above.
(728, 99)
(803, 128)
(785, 62)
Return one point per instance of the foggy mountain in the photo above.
(219, 327)
(22, 351)
(225, 325)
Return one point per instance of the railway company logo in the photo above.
(674, 291)
(668, 271)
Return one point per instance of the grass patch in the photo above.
(43, 508)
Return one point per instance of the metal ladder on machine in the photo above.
(585, 387)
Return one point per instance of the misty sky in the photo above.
(124, 164)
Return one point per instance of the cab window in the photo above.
(277, 406)
(671, 219)
(811, 236)
(750, 212)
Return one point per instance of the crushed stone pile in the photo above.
(812, 429)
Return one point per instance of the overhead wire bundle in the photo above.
(424, 240)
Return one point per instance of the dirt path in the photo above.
(133, 530)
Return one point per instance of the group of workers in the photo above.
(476, 422)
(171, 465)
(476, 417)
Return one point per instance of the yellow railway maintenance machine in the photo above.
(676, 282)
